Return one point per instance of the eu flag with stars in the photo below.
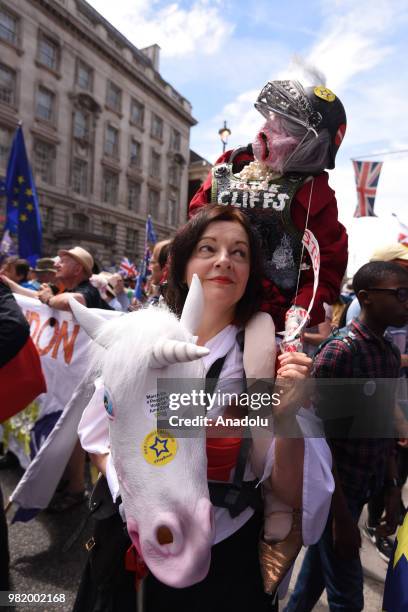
(396, 582)
(23, 212)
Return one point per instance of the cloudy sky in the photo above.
(219, 54)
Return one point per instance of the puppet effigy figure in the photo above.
(279, 181)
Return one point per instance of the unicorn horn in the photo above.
(166, 352)
(91, 322)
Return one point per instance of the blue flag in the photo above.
(396, 582)
(150, 233)
(143, 268)
(23, 212)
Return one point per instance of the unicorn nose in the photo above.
(164, 535)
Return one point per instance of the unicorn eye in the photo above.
(107, 402)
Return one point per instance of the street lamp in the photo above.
(224, 132)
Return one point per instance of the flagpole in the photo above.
(360, 157)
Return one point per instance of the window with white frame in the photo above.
(136, 112)
(110, 187)
(172, 212)
(80, 222)
(6, 137)
(174, 174)
(84, 76)
(44, 161)
(111, 141)
(81, 125)
(175, 140)
(156, 130)
(45, 104)
(135, 153)
(153, 203)
(134, 190)
(113, 97)
(7, 85)
(109, 230)
(48, 52)
(132, 241)
(47, 218)
(79, 180)
(8, 26)
(155, 164)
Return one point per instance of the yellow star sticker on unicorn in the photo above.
(402, 539)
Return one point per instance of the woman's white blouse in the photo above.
(318, 484)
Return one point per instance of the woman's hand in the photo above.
(294, 369)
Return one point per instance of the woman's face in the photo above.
(221, 259)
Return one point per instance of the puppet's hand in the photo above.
(294, 317)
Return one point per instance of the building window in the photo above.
(47, 219)
(113, 97)
(174, 175)
(110, 187)
(172, 212)
(48, 52)
(156, 127)
(45, 104)
(175, 140)
(81, 125)
(155, 164)
(153, 203)
(84, 76)
(132, 241)
(111, 141)
(80, 176)
(135, 153)
(44, 161)
(6, 137)
(134, 196)
(109, 230)
(7, 85)
(80, 222)
(8, 27)
(136, 113)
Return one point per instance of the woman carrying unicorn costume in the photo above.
(161, 480)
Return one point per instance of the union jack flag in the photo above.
(367, 175)
(127, 268)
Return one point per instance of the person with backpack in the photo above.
(363, 462)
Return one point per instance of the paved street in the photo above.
(39, 566)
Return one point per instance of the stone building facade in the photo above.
(107, 137)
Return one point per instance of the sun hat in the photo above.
(81, 256)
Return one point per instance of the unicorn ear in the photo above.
(194, 307)
(91, 322)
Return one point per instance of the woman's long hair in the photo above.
(183, 247)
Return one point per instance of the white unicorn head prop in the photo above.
(162, 480)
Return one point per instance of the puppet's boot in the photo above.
(281, 540)
(276, 558)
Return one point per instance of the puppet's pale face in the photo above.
(273, 145)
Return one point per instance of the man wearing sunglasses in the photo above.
(362, 465)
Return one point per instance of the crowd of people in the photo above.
(333, 449)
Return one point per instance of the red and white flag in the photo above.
(127, 268)
(367, 175)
